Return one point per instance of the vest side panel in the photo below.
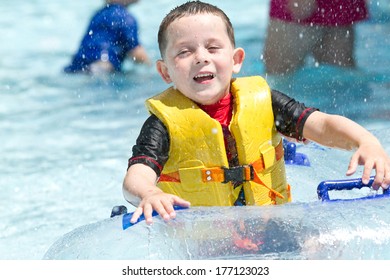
(196, 142)
(253, 126)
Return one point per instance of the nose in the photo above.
(202, 56)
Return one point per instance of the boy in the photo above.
(112, 35)
(214, 140)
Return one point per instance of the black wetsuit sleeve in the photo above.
(152, 145)
(290, 115)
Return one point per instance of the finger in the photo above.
(148, 214)
(386, 178)
(379, 176)
(175, 201)
(137, 213)
(353, 163)
(181, 202)
(368, 166)
(168, 206)
(161, 210)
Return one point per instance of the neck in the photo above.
(221, 111)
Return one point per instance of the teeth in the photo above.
(204, 75)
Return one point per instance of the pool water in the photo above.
(65, 140)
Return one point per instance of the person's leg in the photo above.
(101, 67)
(287, 44)
(336, 47)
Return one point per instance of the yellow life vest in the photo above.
(198, 170)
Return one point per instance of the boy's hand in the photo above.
(162, 203)
(372, 157)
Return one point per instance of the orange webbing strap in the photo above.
(224, 175)
(289, 192)
(170, 177)
(217, 174)
(257, 180)
(279, 151)
(213, 174)
(259, 166)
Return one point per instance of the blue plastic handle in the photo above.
(291, 156)
(126, 217)
(347, 184)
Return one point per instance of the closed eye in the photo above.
(183, 53)
(213, 49)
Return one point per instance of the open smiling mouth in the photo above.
(204, 77)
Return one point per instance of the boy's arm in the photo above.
(139, 188)
(340, 132)
(139, 180)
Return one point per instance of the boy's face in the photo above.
(199, 58)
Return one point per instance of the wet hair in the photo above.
(191, 8)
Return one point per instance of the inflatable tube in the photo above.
(316, 230)
(307, 228)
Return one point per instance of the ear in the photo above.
(238, 59)
(163, 71)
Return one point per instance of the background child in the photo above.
(199, 57)
(111, 37)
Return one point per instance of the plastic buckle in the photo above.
(238, 173)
